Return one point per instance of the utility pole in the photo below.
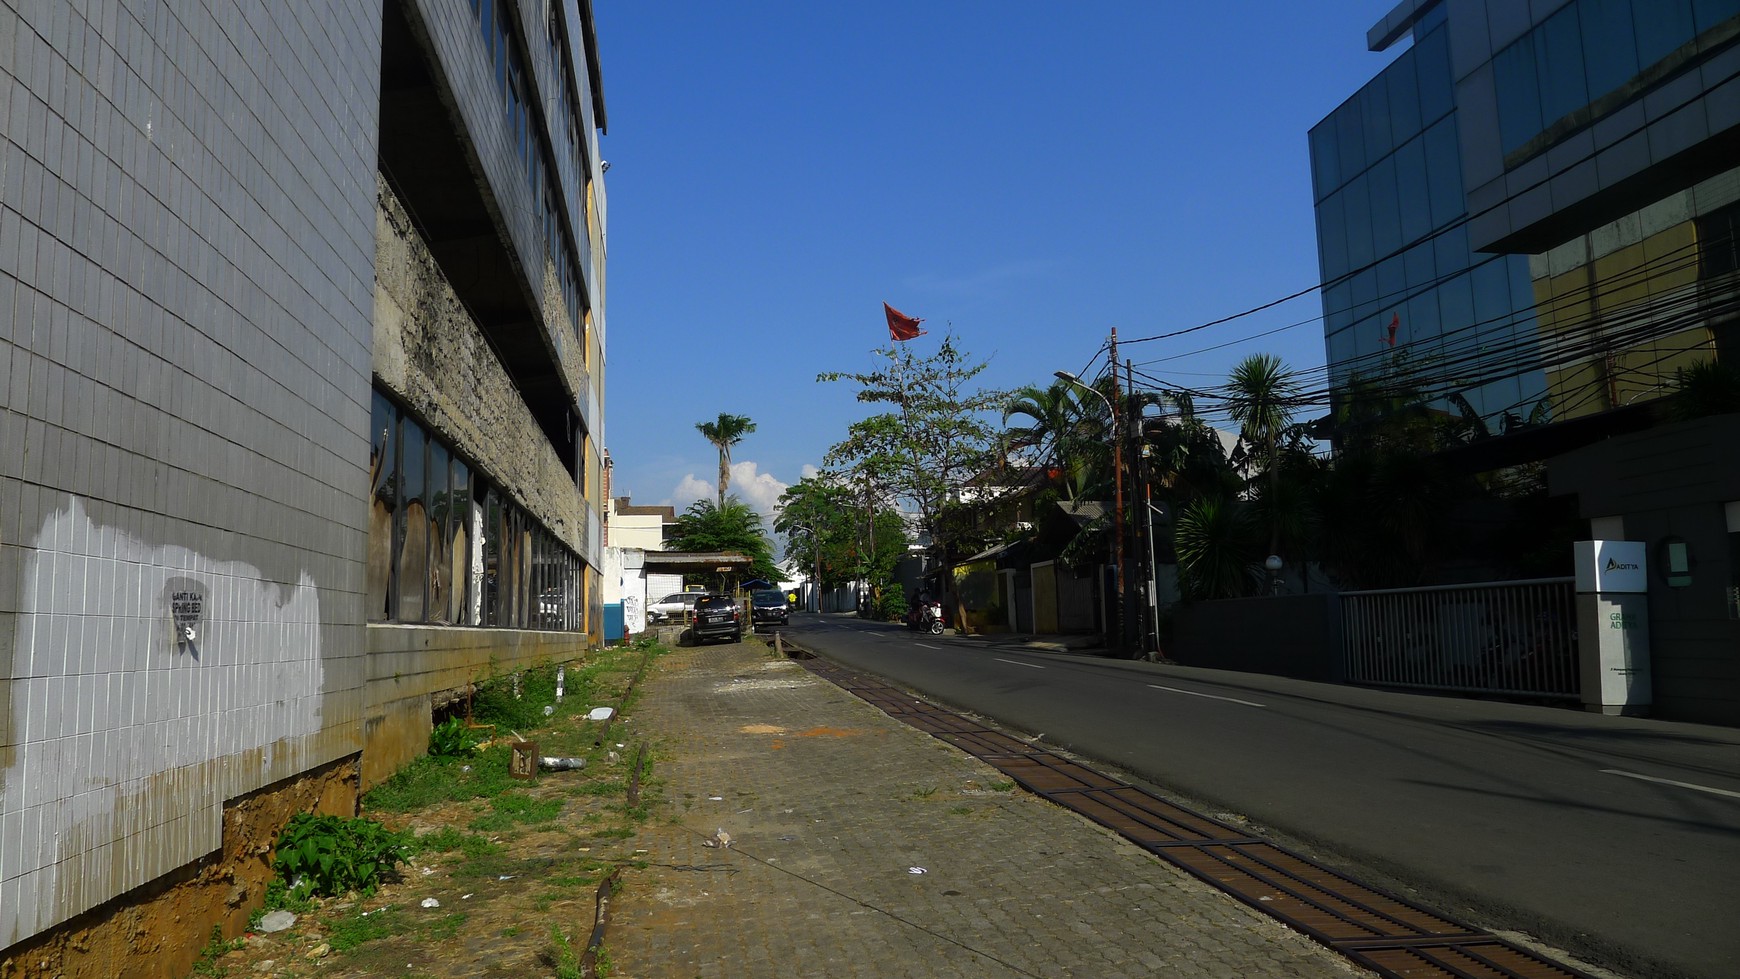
(1118, 495)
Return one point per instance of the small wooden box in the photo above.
(524, 763)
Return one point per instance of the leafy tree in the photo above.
(926, 448)
(840, 528)
(724, 433)
(734, 527)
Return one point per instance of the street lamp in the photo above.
(1117, 489)
(1272, 564)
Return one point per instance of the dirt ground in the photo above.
(516, 899)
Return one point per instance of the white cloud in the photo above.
(748, 483)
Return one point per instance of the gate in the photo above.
(1509, 637)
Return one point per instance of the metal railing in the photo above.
(1506, 637)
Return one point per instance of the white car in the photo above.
(676, 605)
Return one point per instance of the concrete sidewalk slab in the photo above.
(862, 847)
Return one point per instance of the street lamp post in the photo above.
(1117, 492)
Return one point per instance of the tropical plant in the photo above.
(453, 739)
(327, 856)
(724, 433)
(1708, 387)
(1059, 435)
(930, 445)
(735, 527)
(1217, 543)
(1261, 395)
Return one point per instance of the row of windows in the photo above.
(1402, 198)
(1410, 96)
(1587, 50)
(447, 547)
(514, 84)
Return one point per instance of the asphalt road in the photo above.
(1617, 839)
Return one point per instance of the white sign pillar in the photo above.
(1613, 625)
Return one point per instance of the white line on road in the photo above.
(1669, 781)
(1011, 662)
(1210, 696)
(926, 645)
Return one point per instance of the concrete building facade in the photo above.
(301, 386)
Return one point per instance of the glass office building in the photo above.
(1405, 299)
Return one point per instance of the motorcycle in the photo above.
(926, 617)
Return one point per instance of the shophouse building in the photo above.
(301, 387)
(1533, 209)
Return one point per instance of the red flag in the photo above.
(902, 326)
(1395, 321)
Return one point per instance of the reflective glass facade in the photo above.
(1393, 245)
(1557, 76)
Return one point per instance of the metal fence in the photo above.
(1507, 637)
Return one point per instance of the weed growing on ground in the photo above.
(447, 839)
(327, 856)
(513, 808)
(215, 949)
(1008, 786)
(567, 960)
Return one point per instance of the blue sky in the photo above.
(1033, 174)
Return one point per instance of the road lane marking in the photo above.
(1669, 781)
(1011, 662)
(926, 645)
(1210, 696)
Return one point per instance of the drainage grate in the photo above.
(1378, 930)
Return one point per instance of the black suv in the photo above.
(717, 617)
(769, 608)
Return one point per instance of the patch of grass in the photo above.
(446, 926)
(510, 931)
(603, 787)
(447, 839)
(512, 808)
(924, 793)
(961, 810)
(1008, 786)
(346, 933)
(429, 781)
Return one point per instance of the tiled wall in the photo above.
(187, 216)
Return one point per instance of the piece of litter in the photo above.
(742, 811)
(715, 798)
(277, 921)
(375, 911)
(1265, 898)
(428, 870)
(430, 902)
(917, 870)
(507, 876)
(601, 714)
(465, 897)
(548, 711)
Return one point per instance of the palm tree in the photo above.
(1261, 395)
(1058, 420)
(724, 433)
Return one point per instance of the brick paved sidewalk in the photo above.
(831, 805)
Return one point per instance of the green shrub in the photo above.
(328, 856)
(452, 738)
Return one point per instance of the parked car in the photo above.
(675, 606)
(769, 608)
(717, 617)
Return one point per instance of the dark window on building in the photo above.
(459, 544)
(383, 503)
(413, 556)
(440, 535)
(492, 527)
(1709, 13)
(1717, 251)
